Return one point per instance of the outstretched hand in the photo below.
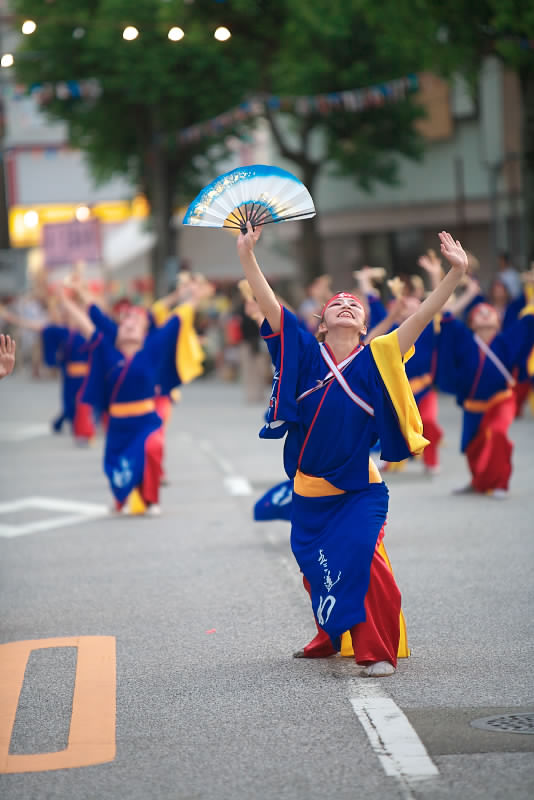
(7, 355)
(247, 241)
(453, 251)
(430, 262)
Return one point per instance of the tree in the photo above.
(308, 48)
(151, 89)
(471, 31)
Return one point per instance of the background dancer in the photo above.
(64, 347)
(125, 370)
(476, 363)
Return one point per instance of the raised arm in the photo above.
(411, 328)
(457, 306)
(386, 324)
(21, 322)
(265, 297)
(77, 316)
(432, 266)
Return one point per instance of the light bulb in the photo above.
(175, 34)
(222, 34)
(82, 213)
(7, 60)
(31, 219)
(28, 26)
(130, 33)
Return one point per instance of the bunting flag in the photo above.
(44, 93)
(353, 100)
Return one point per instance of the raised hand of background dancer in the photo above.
(21, 322)
(457, 305)
(200, 289)
(364, 278)
(78, 318)
(8, 347)
(432, 266)
(412, 328)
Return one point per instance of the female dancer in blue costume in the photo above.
(65, 347)
(476, 363)
(127, 364)
(332, 400)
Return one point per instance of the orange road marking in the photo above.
(92, 724)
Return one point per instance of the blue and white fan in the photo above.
(258, 193)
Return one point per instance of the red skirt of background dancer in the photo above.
(153, 470)
(83, 425)
(376, 639)
(163, 407)
(489, 454)
(428, 409)
(521, 391)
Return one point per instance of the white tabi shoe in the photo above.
(499, 494)
(380, 669)
(153, 510)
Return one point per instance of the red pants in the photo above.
(376, 639)
(521, 391)
(428, 408)
(163, 407)
(489, 454)
(153, 471)
(83, 425)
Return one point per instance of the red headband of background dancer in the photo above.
(126, 310)
(339, 295)
(485, 308)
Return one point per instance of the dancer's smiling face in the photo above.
(343, 311)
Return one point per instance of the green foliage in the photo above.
(333, 45)
(151, 87)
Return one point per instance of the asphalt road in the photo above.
(194, 616)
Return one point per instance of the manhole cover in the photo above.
(507, 723)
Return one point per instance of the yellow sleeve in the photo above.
(189, 353)
(160, 312)
(390, 363)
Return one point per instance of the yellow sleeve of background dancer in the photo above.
(388, 358)
(160, 312)
(189, 353)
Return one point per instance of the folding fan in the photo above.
(258, 193)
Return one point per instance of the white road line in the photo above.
(236, 485)
(24, 432)
(398, 747)
(79, 512)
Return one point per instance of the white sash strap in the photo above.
(343, 383)
(495, 359)
(322, 383)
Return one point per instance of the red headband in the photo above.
(341, 294)
(132, 309)
(485, 307)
